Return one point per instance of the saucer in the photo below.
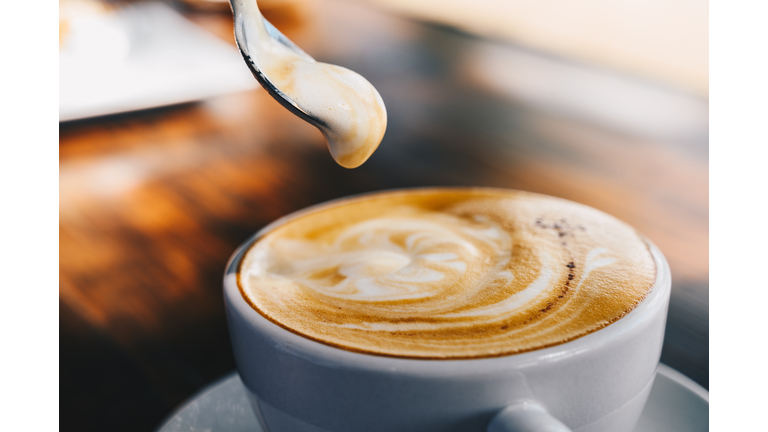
(676, 404)
(142, 55)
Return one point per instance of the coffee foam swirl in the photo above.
(447, 273)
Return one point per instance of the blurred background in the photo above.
(171, 156)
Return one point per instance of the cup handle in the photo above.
(525, 416)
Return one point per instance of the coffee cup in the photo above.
(596, 382)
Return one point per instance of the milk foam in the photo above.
(448, 273)
(350, 106)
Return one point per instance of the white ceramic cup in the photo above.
(598, 382)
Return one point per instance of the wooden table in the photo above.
(153, 203)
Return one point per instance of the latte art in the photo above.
(388, 258)
(447, 273)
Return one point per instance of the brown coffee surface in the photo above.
(447, 273)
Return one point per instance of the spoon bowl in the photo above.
(343, 105)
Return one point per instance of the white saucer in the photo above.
(676, 404)
(143, 55)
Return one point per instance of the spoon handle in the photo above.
(252, 30)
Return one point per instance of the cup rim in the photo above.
(320, 353)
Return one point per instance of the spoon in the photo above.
(343, 105)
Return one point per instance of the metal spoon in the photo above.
(250, 29)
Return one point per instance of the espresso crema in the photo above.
(447, 273)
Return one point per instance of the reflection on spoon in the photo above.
(342, 104)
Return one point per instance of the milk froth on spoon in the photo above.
(342, 104)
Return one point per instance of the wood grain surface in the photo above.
(153, 203)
